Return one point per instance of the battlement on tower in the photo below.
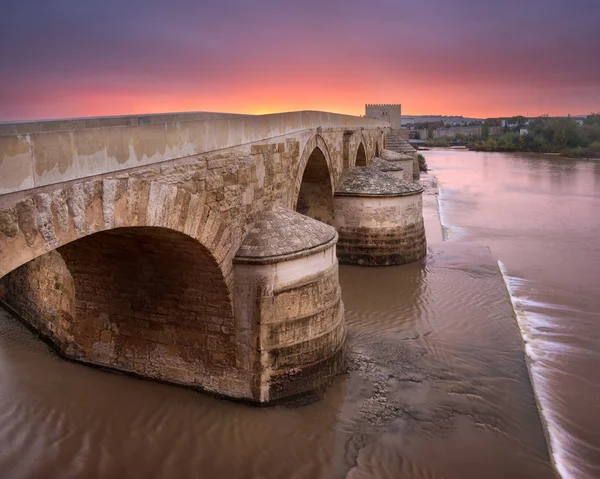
(379, 105)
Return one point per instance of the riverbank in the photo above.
(492, 147)
(564, 136)
(574, 153)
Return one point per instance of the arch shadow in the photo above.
(132, 273)
(313, 189)
(145, 300)
(361, 155)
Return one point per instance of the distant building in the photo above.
(430, 124)
(391, 113)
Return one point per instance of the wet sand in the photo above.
(437, 387)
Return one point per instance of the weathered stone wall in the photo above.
(372, 141)
(69, 124)
(377, 231)
(340, 150)
(378, 212)
(402, 133)
(153, 302)
(143, 300)
(316, 200)
(43, 293)
(61, 151)
(301, 330)
(212, 197)
(405, 161)
(211, 200)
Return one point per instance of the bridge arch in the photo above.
(313, 190)
(153, 242)
(359, 152)
(146, 300)
(361, 155)
(33, 226)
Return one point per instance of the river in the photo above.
(540, 215)
(437, 383)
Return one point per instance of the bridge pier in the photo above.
(379, 219)
(389, 167)
(288, 304)
(152, 302)
(406, 162)
(394, 143)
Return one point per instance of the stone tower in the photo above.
(391, 113)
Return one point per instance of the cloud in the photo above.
(67, 57)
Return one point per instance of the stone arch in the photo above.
(361, 155)
(66, 219)
(145, 300)
(314, 185)
(46, 221)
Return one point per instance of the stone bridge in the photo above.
(171, 246)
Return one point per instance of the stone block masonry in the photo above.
(379, 219)
(367, 247)
(395, 143)
(392, 113)
(134, 269)
(43, 293)
(147, 301)
(406, 162)
(287, 276)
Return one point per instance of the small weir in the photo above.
(538, 215)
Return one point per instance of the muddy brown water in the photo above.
(437, 387)
(540, 215)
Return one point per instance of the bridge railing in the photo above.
(34, 154)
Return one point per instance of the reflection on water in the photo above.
(437, 387)
(540, 216)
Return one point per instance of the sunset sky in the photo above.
(68, 58)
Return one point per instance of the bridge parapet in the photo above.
(67, 150)
(8, 128)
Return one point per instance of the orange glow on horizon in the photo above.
(475, 59)
(417, 95)
(415, 101)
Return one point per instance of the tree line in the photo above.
(546, 134)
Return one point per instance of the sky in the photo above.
(479, 58)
